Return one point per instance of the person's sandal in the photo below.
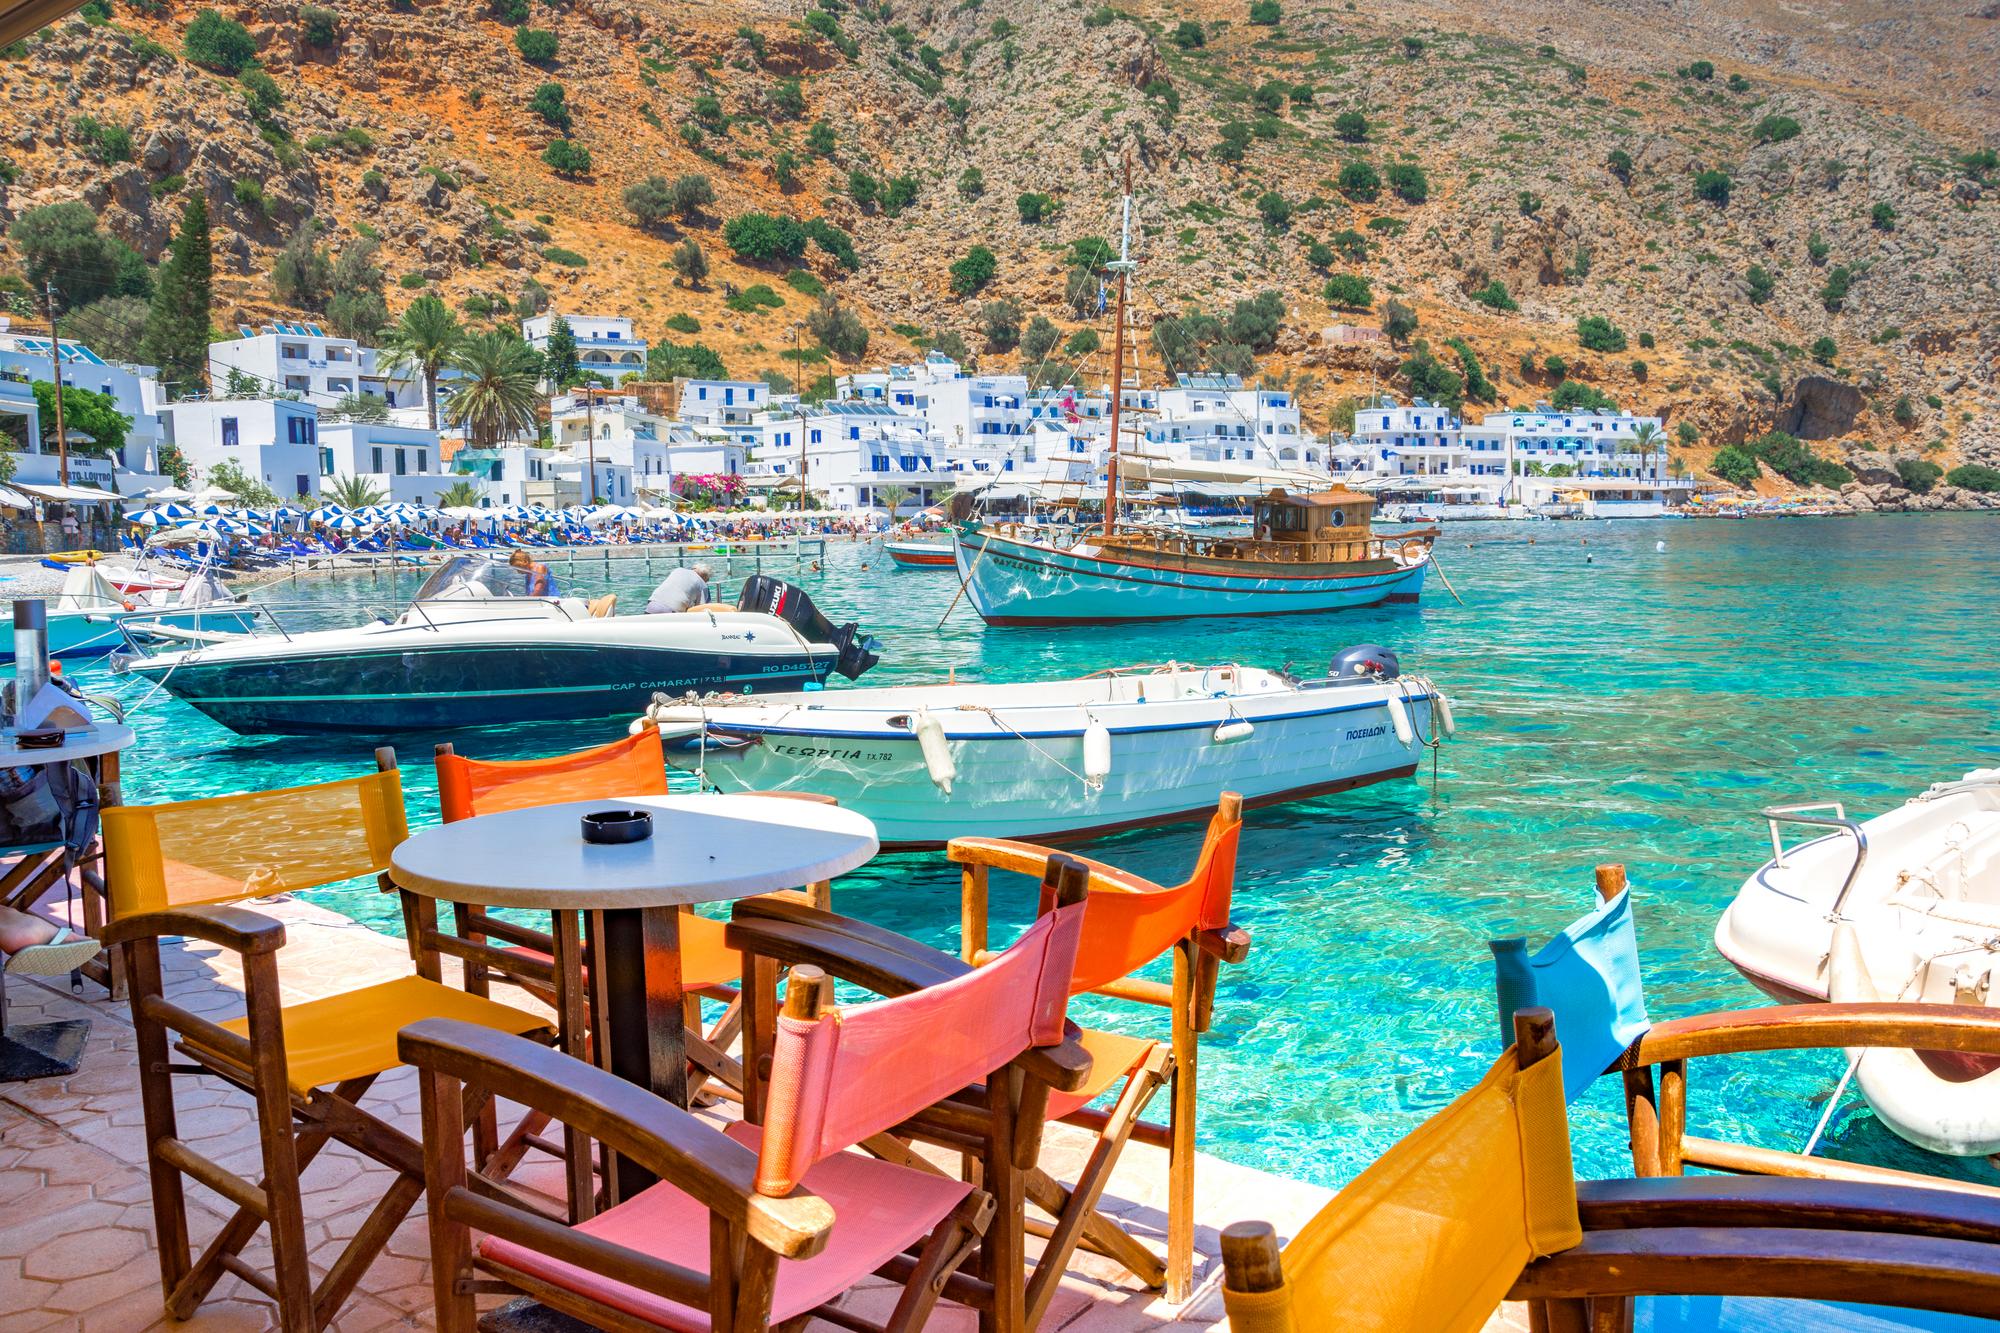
(54, 958)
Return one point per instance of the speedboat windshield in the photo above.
(473, 577)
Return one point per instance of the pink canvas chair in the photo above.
(760, 1224)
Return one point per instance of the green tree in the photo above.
(354, 492)
(551, 102)
(1351, 126)
(1082, 343)
(1619, 163)
(177, 323)
(1775, 129)
(838, 329)
(566, 158)
(1760, 283)
(423, 342)
(537, 46)
(788, 98)
(1265, 12)
(1918, 474)
(1647, 440)
(85, 413)
(228, 475)
(360, 407)
(1833, 294)
(560, 364)
(1701, 70)
(1714, 186)
(60, 244)
(1882, 217)
(1495, 296)
(1478, 388)
(1034, 208)
(1974, 477)
(460, 495)
(1398, 322)
(1275, 209)
(1735, 466)
(1816, 248)
(1348, 291)
(1360, 182)
(972, 272)
(1039, 339)
(301, 274)
(1188, 35)
(1599, 334)
(691, 263)
(1407, 179)
(760, 236)
(318, 27)
(356, 309)
(821, 140)
(1320, 255)
(1431, 378)
(1824, 350)
(497, 393)
(217, 43)
(1000, 322)
(971, 183)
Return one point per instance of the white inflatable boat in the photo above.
(1904, 906)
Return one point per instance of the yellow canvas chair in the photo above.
(181, 870)
(1479, 1204)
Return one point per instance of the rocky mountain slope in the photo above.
(1847, 290)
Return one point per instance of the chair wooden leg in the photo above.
(156, 1095)
(347, 1270)
(1079, 1205)
(948, 1247)
(284, 1209)
(760, 1025)
(1180, 1157)
(444, 1171)
(1003, 1255)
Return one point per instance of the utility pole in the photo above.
(590, 432)
(799, 368)
(55, 362)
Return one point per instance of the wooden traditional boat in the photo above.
(1305, 552)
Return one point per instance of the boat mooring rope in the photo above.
(1029, 741)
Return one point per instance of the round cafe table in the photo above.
(704, 849)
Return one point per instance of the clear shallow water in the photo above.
(1614, 703)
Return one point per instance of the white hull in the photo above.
(1922, 916)
(1019, 750)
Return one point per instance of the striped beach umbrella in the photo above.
(149, 518)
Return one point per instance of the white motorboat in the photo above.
(85, 615)
(1904, 906)
(1067, 758)
(474, 649)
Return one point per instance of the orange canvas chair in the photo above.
(186, 870)
(1131, 922)
(759, 1225)
(1479, 1204)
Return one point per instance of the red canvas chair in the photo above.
(1131, 922)
(760, 1225)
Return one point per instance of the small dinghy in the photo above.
(920, 555)
(1065, 759)
(1904, 906)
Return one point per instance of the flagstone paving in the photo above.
(76, 1227)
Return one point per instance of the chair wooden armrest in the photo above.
(1919, 1272)
(1798, 1027)
(794, 934)
(712, 1168)
(237, 929)
(1230, 944)
(1766, 1201)
(1064, 1068)
(1026, 858)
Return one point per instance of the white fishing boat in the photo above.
(1904, 906)
(1063, 759)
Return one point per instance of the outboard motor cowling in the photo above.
(1367, 660)
(773, 596)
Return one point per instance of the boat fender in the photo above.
(936, 750)
(1235, 729)
(1096, 753)
(1399, 714)
(1442, 707)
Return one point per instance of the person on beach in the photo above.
(681, 590)
(540, 584)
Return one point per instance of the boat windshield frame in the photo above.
(501, 580)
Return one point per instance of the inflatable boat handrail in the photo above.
(1838, 821)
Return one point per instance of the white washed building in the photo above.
(605, 344)
(306, 360)
(273, 440)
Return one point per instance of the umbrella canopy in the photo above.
(168, 493)
(349, 523)
(326, 513)
(284, 513)
(150, 518)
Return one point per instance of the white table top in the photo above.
(704, 849)
(103, 738)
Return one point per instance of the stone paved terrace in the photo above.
(76, 1221)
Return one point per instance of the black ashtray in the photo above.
(610, 826)
(39, 738)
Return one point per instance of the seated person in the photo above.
(540, 582)
(681, 590)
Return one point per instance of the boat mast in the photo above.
(1122, 266)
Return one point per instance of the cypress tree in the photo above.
(177, 326)
(559, 359)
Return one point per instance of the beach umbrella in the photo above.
(167, 494)
(348, 523)
(213, 509)
(150, 518)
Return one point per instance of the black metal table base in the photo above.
(42, 1050)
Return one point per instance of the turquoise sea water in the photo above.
(1614, 702)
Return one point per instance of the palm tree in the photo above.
(498, 394)
(460, 495)
(891, 498)
(1644, 437)
(424, 340)
(354, 492)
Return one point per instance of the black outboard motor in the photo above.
(1369, 660)
(775, 597)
